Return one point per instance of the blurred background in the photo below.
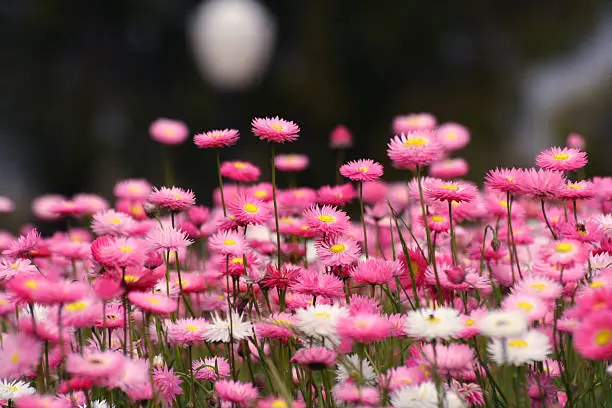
(82, 80)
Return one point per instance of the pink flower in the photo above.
(167, 239)
(41, 401)
(168, 131)
(43, 206)
(337, 250)
(187, 332)
(275, 129)
(291, 162)
(249, 210)
(338, 195)
(575, 190)
(565, 253)
(326, 219)
(227, 243)
(277, 326)
(375, 271)
(575, 141)
(132, 189)
(112, 222)
(167, 384)
(23, 245)
(133, 379)
(261, 191)
(211, 369)
(349, 392)
(315, 358)
(117, 252)
(281, 279)
(412, 122)
(340, 138)
(149, 302)
(453, 136)
(533, 307)
(20, 266)
(97, 366)
(561, 159)
(362, 170)
(240, 171)
(451, 360)
(541, 184)
(81, 313)
(216, 138)
(173, 198)
(593, 337)
(318, 284)
(91, 203)
(6, 205)
(449, 168)
(436, 189)
(20, 354)
(236, 392)
(400, 377)
(364, 328)
(503, 180)
(416, 148)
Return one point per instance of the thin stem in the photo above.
(548, 223)
(453, 242)
(363, 223)
(278, 242)
(221, 182)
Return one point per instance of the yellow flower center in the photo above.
(470, 322)
(451, 136)
(561, 156)
(191, 328)
(538, 286)
(260, 193)
(603, 337)
(326, 218)
(237, 260)
(503, 203)
(240, 165)
(275, 126)
(323, 315)
(433, 319)
(597, 284)
(130, 279)
(361, 324)
(525, 306)
(279, 404)
(76, 306)
(251, 208)
(229, 242)
(415, 142)
(436, 218)
(114, 220)
(337, 248)
(574, 186)
(126, 249)
(153, 301)
(12, 387)
(15, 265)
(15, 358)
(363, 169)
(518, 343)
(281, 322)
(3, 302)
(31, 284)
(287, 220)
(564, 247)
(450, 187)
(510, 179)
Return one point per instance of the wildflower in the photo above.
(562, 159)
(240, 171)
(338, 195)
(353, 367)
(291, 162)
(168, 131)
(187, 332)
(219, 329)
(132, 189)
(23, 245)
(320, 321)
(96, 365)
(503, 323)
(453, 136)
(416, 148)
(167, 239)
(340, 138)
(149, 302)
(211, 369)
(362, 170)
(337, 250)
(525, 349)
(41, 401)
(216, 138)
(348, 392)
(449, 168)
(167, 384)
(117, 252)
(364, 327)
(236, 392)
(534, 307)
(424, 395)
(317, 283)
(249, 210)
(227, 243)
(280, 279)
(565, 253)
(277, 326)
(173, 198)
(433, 323)
(12, 390)
(541, 184)
(275, 129)
(593, 337)
(20, 266)
(326, 219)
(413, 121)
(436, 189)
(375, 271)
(315, 358)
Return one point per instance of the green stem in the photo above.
(548, 223)
(363, 223)
(278, 242)
(221, 182)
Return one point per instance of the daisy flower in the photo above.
(362, 170)
(375, 271)
(166, 238)
(91, 203)
(173, 198)
(37, 401)
(503, 323)
(280, 279)
(20, 266)
(277, 326)
(249, 210)
(216, 138)
(320, 321)
(534, 307)
(575, 141)
(436, 189)
(449, 168)
(117, 252)
(12, 390)
(364, 327)
(240, 171)
(578, 190)
(236, 392)
(315, 358)
(540, 286)
(340, 138)
(353, 367)
(132, 189)
(593, 337)
(167, 384)
(451, 360)
(350, 393)
(525, 349)
(187, 332)
(416, 148)
(219, 329)
(150, 302)
(227, 243)
(337, 250)
(95, 365)
(413, 121)
(326, 219)
(317, 283)
(453, 136)
(168, 131)
(433, 323)
(23, 245)
(211, 369)
(541, 184)
(6, 205)
(424, 395)
(291, 162)
(561, 158)
(338, 195)
(565, 253)
(275, 129)
(112, 222)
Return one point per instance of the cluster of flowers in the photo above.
(443, 295)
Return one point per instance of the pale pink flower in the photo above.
(168, 131)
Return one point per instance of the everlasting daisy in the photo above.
(277, 326)
(350, 393)
(227, 243)
(240, 171)
(117, 252)
(168, 131)
(167, 384)
(132, 189)
(249, 210)
(172, 198)
(317, 283)
(337, 251)
(95, 365)
(436, 189)
(362, 170)
(533, 307)
(236, 392)
(416, 148)
(375, 271)
(451, 360)
(578, 190)
(6, 205)
(541, 184)
(503, 323)
(541, 286)
(565, 253)
(216, 138)
(424, 395)
(561, 158)
(23, 245)
(593, 336)
(364, 327)
(187, 332)
(211, 369)
(315, 358)
(453, 136)
(449, 168)
(320, 321)
(337, 195)
(112, 222)
(20, 266)
(326, 219)
(149, 302)
(167, 239)
(275, 129)
(433, 323)
(41, 401)
(291, 162)
(413, 121)
(219, 329)
(503, 180)
(12, 390)
(352, 367)
(340, 138)
(525, 349)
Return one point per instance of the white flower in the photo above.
(600, 261)
(219, 329)
(424, 395)
(605, 224)
(158, 361)
(98, 404)
(531, 346)
(609, 370)
(41, 313)
(11, 390)
(437, 323)
(320, 321)
(503, 323)
(350, 368)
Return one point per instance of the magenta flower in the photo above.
(275, 129)
(236, 392)
(20, 354)
(167, 384)
(362, 170)
(453, 136)
(168, 131)
(561, 159)
(541, 184)
(240, 171)
(436, 189)
(172, 198)
(416, 148)
(340, 138)
(216, 138)
(154, 303)
(326, 219)
(315, 358)
(316, 283)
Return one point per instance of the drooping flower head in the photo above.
(561, 159)
(216, 138)
(168, 131)
(275, 129)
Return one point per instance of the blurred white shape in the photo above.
(232, 41)
(550, 87)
